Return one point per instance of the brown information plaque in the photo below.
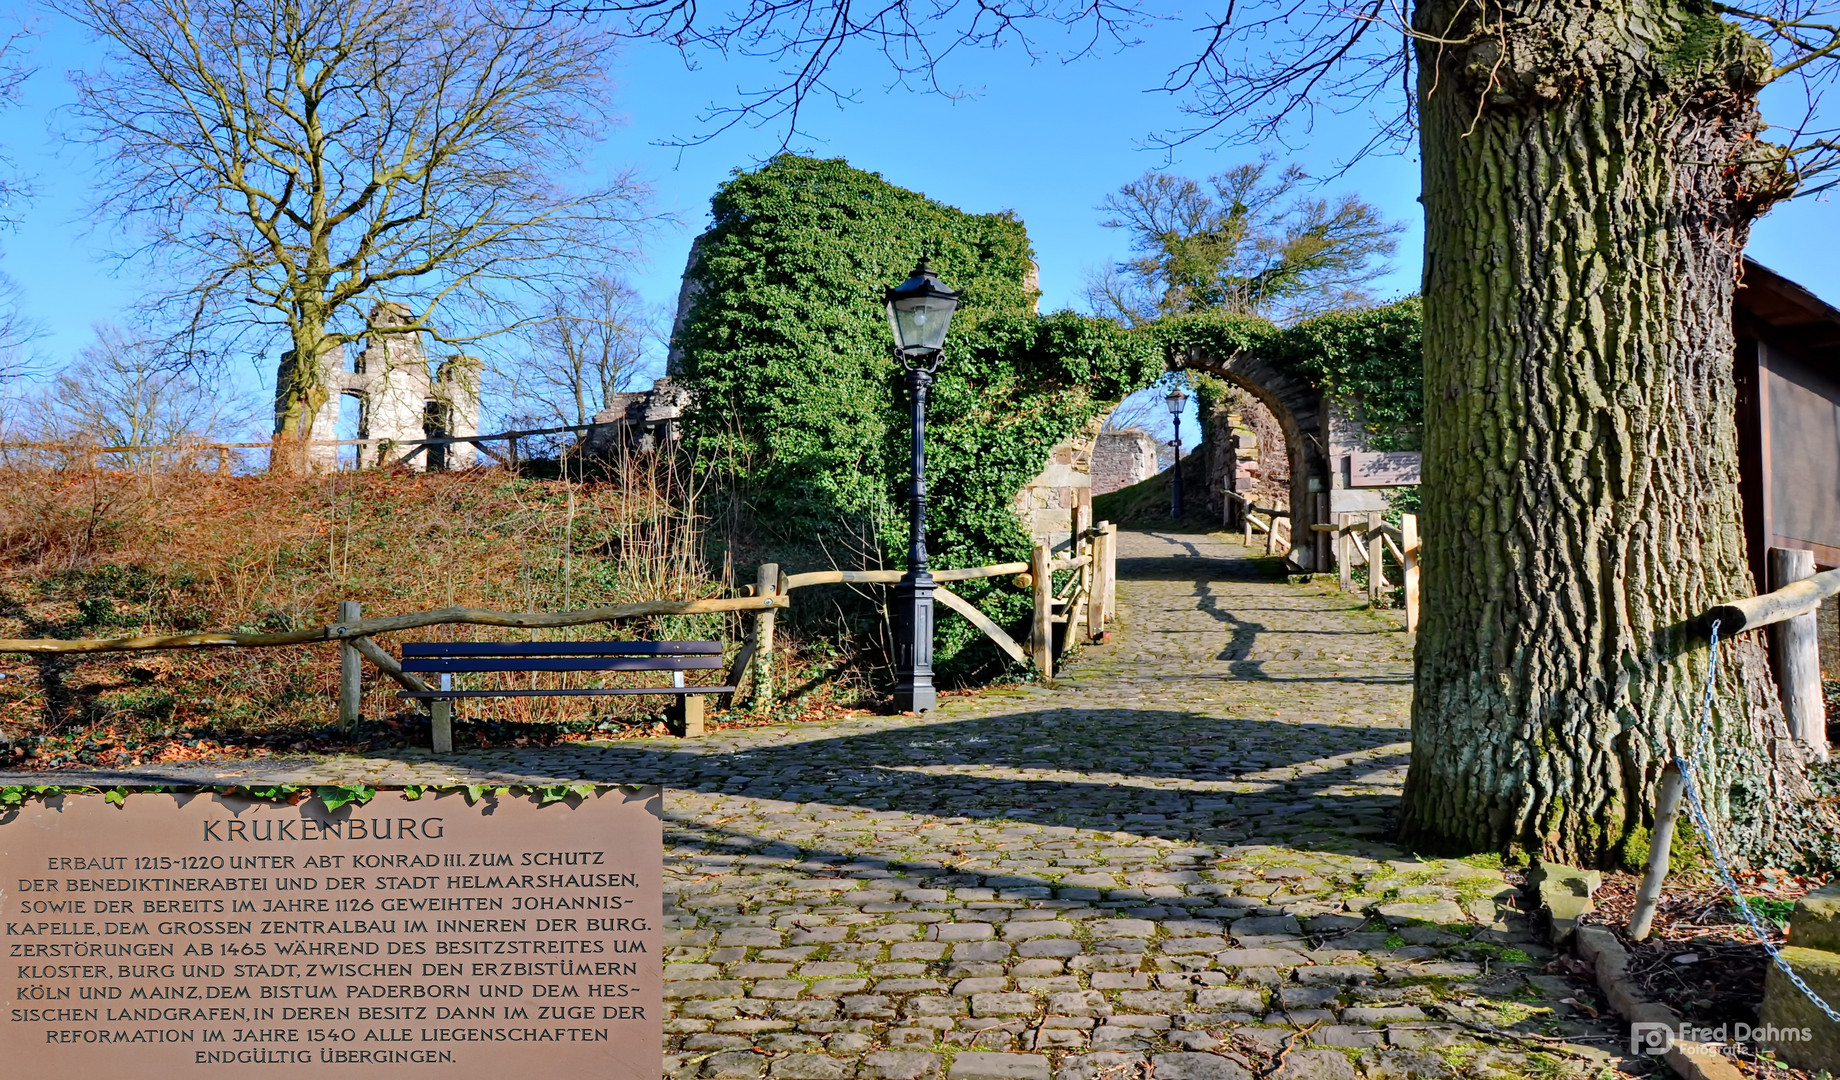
(210, 935)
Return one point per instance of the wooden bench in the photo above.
(448, 658)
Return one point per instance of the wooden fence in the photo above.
(1363, 539)
(1087, 602)
(389, 452)
(1789, 612)
(1276, 520)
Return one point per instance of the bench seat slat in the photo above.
(562, 648)
(563, 663)
(567, 693)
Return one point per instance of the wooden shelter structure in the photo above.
(1788, 370)
(1788, 374)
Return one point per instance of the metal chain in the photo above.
(1688, 771)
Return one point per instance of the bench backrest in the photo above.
(455, 656)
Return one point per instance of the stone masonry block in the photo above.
(1789, 1011)
(974, 1065)
(752, 935)
(735, 1065)
(1815, 923)
(1098, 1066)
(1078, 1003)
(1010, 1004)
(1153, 1001)
(1198, 1067)
(899, 1065)
(812, 1067)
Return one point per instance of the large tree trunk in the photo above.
(300, 393)
(1590, 172)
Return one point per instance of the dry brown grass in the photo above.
(99, 553)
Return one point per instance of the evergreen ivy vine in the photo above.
(786, 352)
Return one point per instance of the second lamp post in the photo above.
(1177, 401)
(919, 310)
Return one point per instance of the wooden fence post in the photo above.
(1795, 653)
(441, 720)
(1271, 534)
(1088, 575)
(1376, 549)
(1408, 546)
(1041, 636)
(1344, 552)
(1111, 572)
(1667, 810)
(1095, 594)
(766, 583)
(1245, 521)
(351, 669)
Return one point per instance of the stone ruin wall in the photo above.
(1247, 454)
(399, 399)
(1046, 503)
(1121, 458)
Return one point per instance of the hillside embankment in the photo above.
(89, 553)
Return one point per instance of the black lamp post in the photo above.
(919, 310)
(1176, 401)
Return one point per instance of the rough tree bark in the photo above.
(1590, 173)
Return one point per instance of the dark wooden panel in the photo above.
(569, 693)
(561, 648)
(1802, 402)
(563, 663)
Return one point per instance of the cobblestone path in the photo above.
(1171, 865)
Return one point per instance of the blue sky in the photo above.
(1044, 139)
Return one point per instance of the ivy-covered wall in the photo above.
(1370, 357)
(787, 353)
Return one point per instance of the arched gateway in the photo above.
(1304, 415)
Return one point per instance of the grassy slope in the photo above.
(107, 554)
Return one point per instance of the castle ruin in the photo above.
(399, 400)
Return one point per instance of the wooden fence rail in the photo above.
(1795, 650)
(411, 448)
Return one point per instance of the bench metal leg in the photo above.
(685, 718)
(441, 721)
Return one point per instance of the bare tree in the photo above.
(17, 329)
(1251, 246)
(291, 164)
(589, 346)
(122, 391)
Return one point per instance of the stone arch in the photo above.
(1303, 414)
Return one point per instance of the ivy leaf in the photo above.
(474, 793)
(337, 795)
(412, 792)
(116, 796)
(586, 791)
(12, 795)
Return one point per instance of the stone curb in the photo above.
(1610, 962)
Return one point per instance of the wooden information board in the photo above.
(207, 935)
